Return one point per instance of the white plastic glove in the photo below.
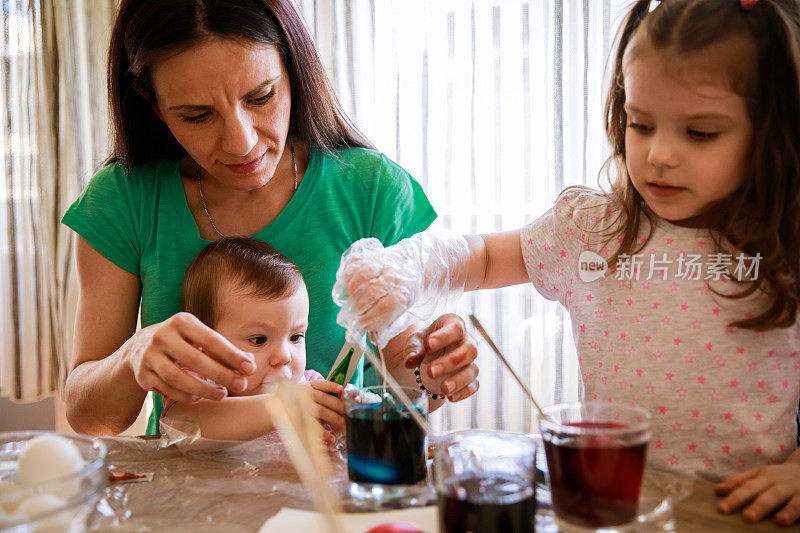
(386, 290)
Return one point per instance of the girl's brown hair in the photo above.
(251, 265)
(763, 215)
(146, 30)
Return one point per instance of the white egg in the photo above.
(6, 487)
(40, 504)
(48, 457)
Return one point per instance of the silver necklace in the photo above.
(203, 198)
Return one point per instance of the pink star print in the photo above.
(728, 416)
(588, 297)
(563, 253)
(530, 241)
(701, 380)
(669, 376)
(726, 449)
(692, 446)
(695, 413)
(684, 307)
(709, 346)
(541, 266)
(659, 444)
(673, 459)
(650, 388)
(677, 341)
(713, 396)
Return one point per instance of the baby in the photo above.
(256, 298)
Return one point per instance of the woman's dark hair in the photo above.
(146, 30)
(763, 215)
(250, 264)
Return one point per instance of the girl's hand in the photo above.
(376, 295)
(329, 410)
(764, 490)
(159, 353)
(447, 331)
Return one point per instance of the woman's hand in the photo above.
(329, 410)
(458, 365)
(763, 490)
(158, 354)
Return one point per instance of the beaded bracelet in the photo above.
(431, 395)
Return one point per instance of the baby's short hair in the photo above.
(252, 265)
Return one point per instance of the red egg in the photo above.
(395, 527)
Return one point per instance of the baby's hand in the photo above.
(329, 408)
(763, 490)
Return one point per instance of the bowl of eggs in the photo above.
(49, 482)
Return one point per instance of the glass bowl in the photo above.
(60, 504)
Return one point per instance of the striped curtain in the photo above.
(494, 106)
(52, 106)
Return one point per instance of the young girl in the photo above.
(696, 320)
(255, 297)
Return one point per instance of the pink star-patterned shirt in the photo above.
(652, 332)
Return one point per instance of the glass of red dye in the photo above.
(485, 481)
(595, 456)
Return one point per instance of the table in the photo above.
(239, 488)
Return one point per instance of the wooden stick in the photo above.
(301, 436)
(393, 385)
(493, 346)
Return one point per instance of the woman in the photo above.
(224, 124)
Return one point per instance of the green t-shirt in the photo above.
(142, 223)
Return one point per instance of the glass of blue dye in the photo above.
(386, 449)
